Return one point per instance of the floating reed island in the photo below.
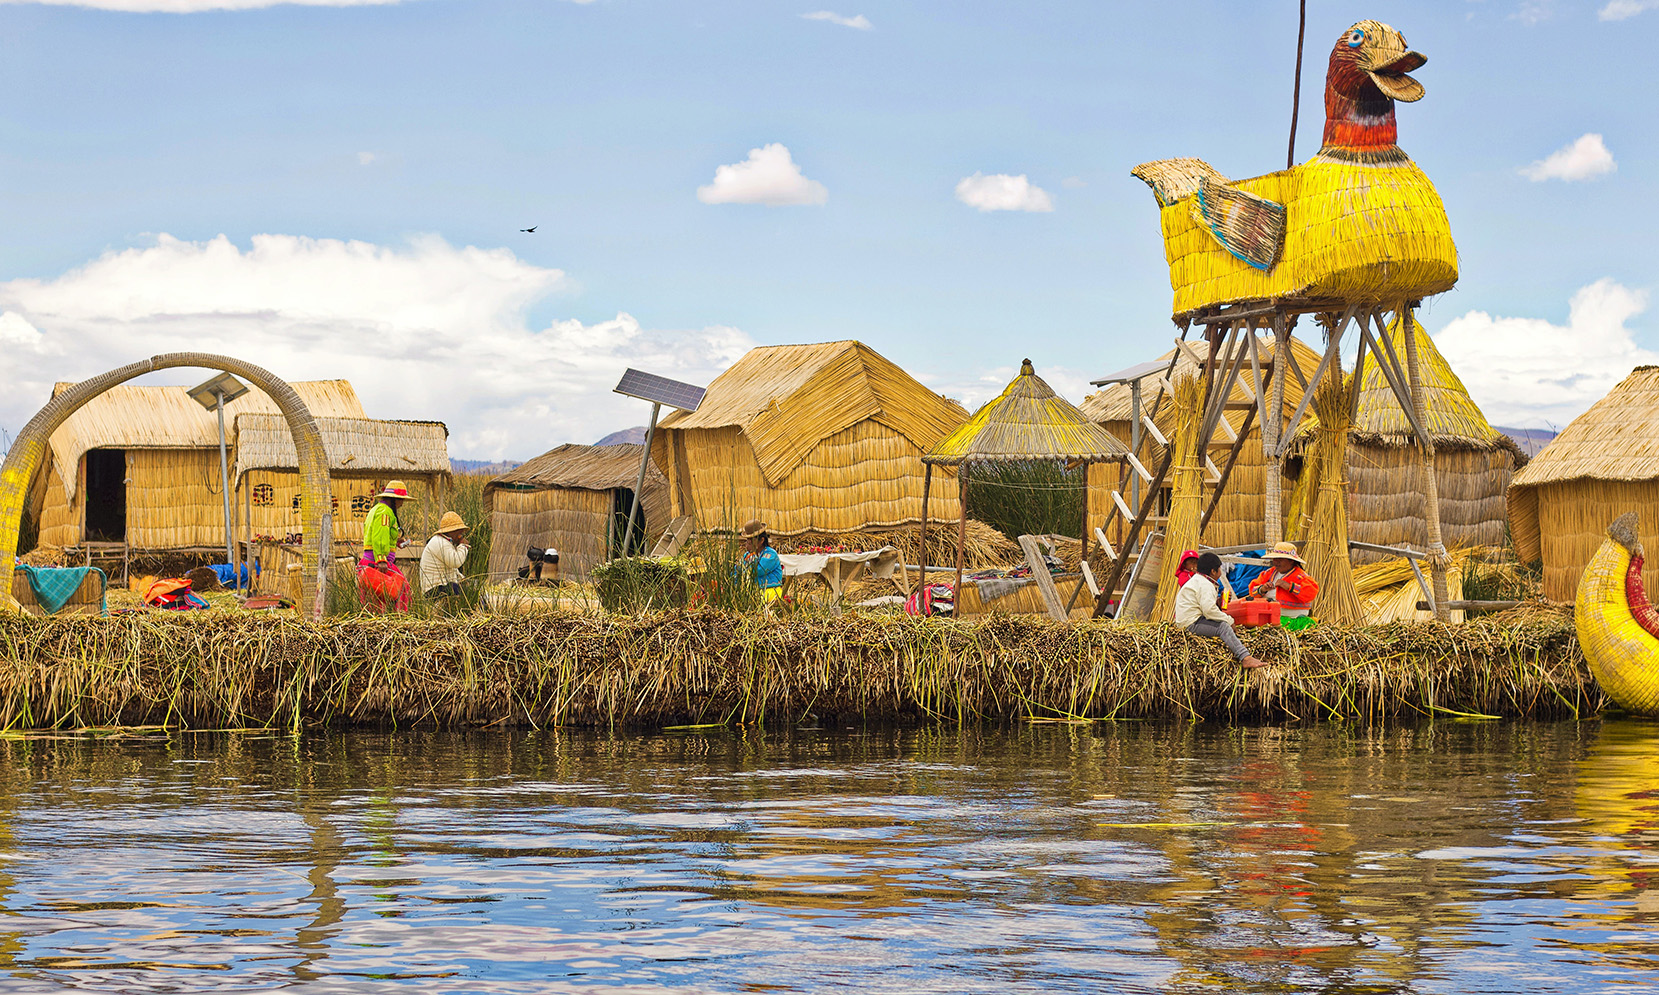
(707, 668)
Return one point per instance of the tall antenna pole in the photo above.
(1296, 99)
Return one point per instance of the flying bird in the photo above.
(530, 229)
(1358, 221)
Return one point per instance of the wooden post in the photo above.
(1273, 461)
(961, 527)
(1425, 460)
(921, 551)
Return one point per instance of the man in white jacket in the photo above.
(1197, 612)
(444, 556)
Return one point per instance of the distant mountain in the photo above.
(627, 437)
(1531, 440)
(480, 466)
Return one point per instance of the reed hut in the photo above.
(138, 467)
(363, 454)
(1604, 464)
(1239, 516)
(1473, 461)
(575, 499)
(808, 438)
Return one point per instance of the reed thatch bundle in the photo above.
(1388, 589)
(221, 669)
(1186, 505)
(1319, 507)
(984, 545)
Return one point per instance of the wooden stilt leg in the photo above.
(921, 549)
(1431, 487)
(961, 527)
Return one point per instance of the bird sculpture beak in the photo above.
(1387, 67)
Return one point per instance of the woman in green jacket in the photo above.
(380, 584)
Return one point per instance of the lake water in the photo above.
(1490, 857)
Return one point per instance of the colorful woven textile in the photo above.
(54, 586)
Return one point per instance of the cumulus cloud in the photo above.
(1584, 159)
(858, 21)
(769, 176)
(366, 158)
(423, 330)
(196, 6)
(1531, 373)
(1618, 10)
(1001, 192)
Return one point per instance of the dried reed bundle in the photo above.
(985, 546)
(1325, 529)
(1186, 504)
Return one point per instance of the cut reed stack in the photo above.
(1186, 503)
(1320, 514)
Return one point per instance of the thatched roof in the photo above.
(1454, 418)
(354, 445)
(134, 417)
(1027, 421)
(1113, 403)
(593, 468)
(1617, 439)
(788, 398)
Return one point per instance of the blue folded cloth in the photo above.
(232, 575)
(54, 586)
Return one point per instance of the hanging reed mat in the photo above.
(1186, 505)
(1324, 526)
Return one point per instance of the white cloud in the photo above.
(1584, 159)
(858, 21)
(197, 6)
(769, 176)
(423, 330)
(1530, 373)
(1001, 192)
(366, 158)
(1074, 183)
(1618, 10)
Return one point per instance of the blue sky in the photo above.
(368, 166)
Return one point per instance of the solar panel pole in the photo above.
(644, 462)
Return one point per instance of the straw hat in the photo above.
(753, 527)
(451, 522)
(395, 489)
(1286, 551)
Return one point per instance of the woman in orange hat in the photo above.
(1286, 582)
(380, 584)
(444, 556)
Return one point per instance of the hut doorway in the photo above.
(106, 495)
(622, 502)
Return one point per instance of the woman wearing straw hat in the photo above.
(761, 560)
(1286, 582)
(444, 556)
(380, 584)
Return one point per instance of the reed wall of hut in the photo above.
(821, 438)
(569, 499)
(152, 455)
(1238, 518)
(1602, 465)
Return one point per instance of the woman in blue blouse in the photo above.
(761, 560)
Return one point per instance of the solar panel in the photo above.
(660, 390)
(1133, 373)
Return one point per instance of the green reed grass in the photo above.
(1040, 498)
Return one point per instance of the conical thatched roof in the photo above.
(1453, 416)
(1027, 421)
(1617, 439)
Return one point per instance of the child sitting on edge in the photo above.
(1197, 612)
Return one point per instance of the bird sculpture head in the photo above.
(1368, 73)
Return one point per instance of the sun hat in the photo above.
(451, 522)
(753, 527)
(1285, 551)
(395, 489)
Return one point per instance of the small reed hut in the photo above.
(808, 438)
(363, 454)
(1238, 517)
(575, 499)
(138, 467)
(1026, 423)
(1473, 461)
(1604, 464)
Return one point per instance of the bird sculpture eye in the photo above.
(1356, 39)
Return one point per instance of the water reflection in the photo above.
(1464, 857)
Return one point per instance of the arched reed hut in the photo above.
(1604, 464)
(139, 466)
(1473, 461)
(821, 438)
(363, 454)
(1238, 517)
(575, 499)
